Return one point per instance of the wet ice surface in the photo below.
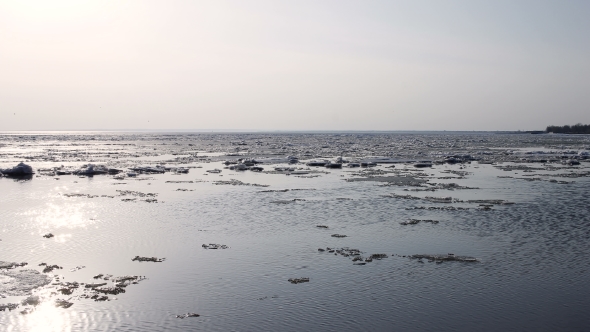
(494, 236)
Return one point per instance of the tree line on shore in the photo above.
(567, 129)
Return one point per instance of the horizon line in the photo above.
(260, 130)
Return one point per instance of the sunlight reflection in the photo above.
(47, 317)
(62, 238)
(53, 216)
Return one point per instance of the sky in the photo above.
(294, 65)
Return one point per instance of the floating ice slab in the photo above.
(21, 282)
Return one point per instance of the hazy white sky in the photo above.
(294, 65)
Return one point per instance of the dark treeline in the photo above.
(575, 129)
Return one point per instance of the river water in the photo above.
(516, 205)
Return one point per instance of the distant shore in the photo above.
(575, 129)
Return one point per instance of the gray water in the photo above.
(531, 274)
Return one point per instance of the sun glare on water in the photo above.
(47, 317)
(55, 217)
